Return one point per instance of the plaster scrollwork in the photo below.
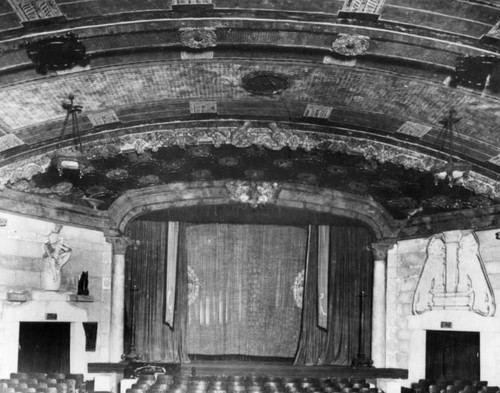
(454, 276)
(271, 136)
(351, 45)
(198, 38)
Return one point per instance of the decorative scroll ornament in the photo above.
(198, 38)
(270, 137)
(351, 45)
(253, 194)
(298, 288)
(454, 276)
(193, 285)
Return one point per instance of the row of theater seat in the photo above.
(446, 386)
(164, 383)
(42, 383)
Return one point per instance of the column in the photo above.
(379, 301)
(117, 298)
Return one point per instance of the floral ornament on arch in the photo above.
(253, 193)
(350, 45)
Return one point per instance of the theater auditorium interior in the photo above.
(228, 196)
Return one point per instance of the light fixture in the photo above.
(452, 171)
(73, 161)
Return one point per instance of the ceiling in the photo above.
(340, 95)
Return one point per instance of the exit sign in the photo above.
(446, 325)
(51, 317)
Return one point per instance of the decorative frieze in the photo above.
(271, 137)
(318, 111)
(493, 36)
(32, 10)
(191, 3)
(9, 141)
(414, 129)
(203, 55)
(101, 118)
(361, 7)
(199, 107)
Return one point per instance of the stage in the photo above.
(244, 368)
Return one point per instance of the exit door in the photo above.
(44, 347)
(452, 355)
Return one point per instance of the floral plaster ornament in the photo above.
(197, 38)
(351, 45)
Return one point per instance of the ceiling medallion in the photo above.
(254, 174)
(253, 193)
(148, 180)
(309, 178)
(198, 38)
(283, 163)
(228, 161)
(117, 174)
(202, 174)
(57, 53)
(265, 83)
(350, 45)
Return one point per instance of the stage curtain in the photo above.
(146, 268)
(244, 302)
(350, 272)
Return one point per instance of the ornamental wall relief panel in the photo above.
(454, 276)
(29, 10)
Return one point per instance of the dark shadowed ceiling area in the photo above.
(349, 96)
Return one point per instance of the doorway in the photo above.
(452, 355)
(44, 347)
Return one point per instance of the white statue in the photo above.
(55, 256)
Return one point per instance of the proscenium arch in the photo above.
(320, 200)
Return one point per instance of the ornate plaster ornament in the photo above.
(454, 276)
(298, 288)
(351, 45)
(253, 193)
(35, 10)
(271, 137)
(198, 38)
(364, 6)
(148, 180)
(3, 222)
(193, 285)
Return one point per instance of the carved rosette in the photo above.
(351, 45)
(271, 137)
(198, 38)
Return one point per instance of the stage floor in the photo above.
(244, 368)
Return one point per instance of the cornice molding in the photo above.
(270, 136)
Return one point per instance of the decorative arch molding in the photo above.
(138, 202)
(268, 135)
